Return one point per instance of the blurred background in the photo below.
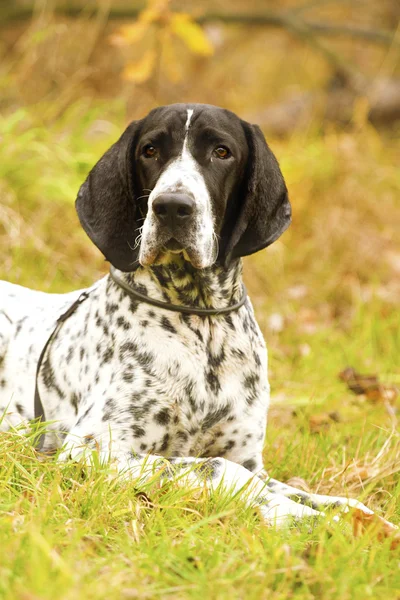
(321, 78)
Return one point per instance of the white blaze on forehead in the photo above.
(184, 175)
(190, 112)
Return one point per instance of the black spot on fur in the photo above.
(229, 445)
(213, 382)
(123, 323)
(304, 499)
(214, 417)
(49, 378)
(70, 354)
(163, 417)
(251, 384)
(74, 402)
(19, 326)
(182, 435)
(127, 376)
(167, 325)
(108, 354)
(165, 443)
(210, 469)
(83, 417)
(216, 360)
(138, 431)
(256, 359)
(229, 322)
(250, 465)
(111, 308)
(145, 359)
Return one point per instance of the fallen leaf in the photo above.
(319, 423)
(323, 421)
(299, 483)
(384, 529)
(368, 386)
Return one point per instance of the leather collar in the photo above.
(188, 310)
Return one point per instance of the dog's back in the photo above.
(27, 318)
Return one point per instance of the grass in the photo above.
(326, 297)
(70, 532)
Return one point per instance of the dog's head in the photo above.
(188, 178)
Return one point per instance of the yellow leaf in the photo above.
(129, 34)
(191, 34)
(140, 71)
(149, 15)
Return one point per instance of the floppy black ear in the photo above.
(263, 212)
(106, 203)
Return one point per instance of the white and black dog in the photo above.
(161, 365)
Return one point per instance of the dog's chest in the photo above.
(168, 384)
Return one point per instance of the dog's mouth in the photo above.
(164, 251)
(173, 246)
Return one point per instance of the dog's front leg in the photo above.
(363, 516)
(212, 473)
(219, 473)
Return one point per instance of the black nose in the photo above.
(173, 209)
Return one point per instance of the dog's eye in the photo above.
(149, 151)
(222, 152)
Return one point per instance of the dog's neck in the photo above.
(176, 281)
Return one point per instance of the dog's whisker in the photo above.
(216, 246)
(137, 242)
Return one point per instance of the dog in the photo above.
(161, 366)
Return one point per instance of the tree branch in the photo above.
(282, 20)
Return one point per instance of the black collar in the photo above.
(189, 310)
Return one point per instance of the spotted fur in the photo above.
(187, 395)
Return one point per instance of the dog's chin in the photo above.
(171, 251)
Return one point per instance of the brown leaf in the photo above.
(323, 421)
(384, 529)
(368, 385)
(299, 483)
(319, 423)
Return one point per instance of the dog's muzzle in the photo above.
(176, 223)
(174, 211)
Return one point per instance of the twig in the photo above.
(266, 18)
